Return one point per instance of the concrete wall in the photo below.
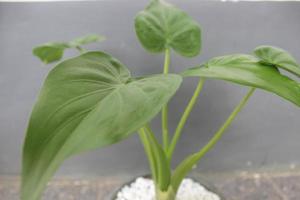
(266, 133)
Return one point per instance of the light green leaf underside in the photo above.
(162, 25)
(53, 51)
(278, 57)
(87, 102)
(247, 70)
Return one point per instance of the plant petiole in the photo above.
(80, 49)
(186, 165)
(165, 129)
(184, 117)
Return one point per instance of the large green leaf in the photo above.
(248, 70)
(162, 25)
(278, 57)
(53, 51)
(87, 102)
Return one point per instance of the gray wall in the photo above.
(266, 133)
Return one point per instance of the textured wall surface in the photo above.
(266, 133)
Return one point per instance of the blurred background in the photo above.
(266, 134)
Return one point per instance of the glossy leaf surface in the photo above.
(247, 70)
(53, 51)
(87, 102)
(278, 57)
(162, 25)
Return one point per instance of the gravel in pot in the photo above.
(142, 188)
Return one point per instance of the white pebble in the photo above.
(143, 189)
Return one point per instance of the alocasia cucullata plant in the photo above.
(92, 101)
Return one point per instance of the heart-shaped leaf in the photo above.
(278, 57)
(50, 52)
(53, 51)
(248, 70)
(87, 102)
(162, 25)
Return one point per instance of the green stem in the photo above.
(167, 61)
(187, 164)
(165, 195)
(184, 117)
(150, 154)
(221, 131)
(80, 49)
(165, 129)
(162, 164)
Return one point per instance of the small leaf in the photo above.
(86, 40)
(278, 57)
(162, 25)
(247, 70)
(87, 102)
(50, 52)
(53, 51)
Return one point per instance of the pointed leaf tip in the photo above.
(278, 57)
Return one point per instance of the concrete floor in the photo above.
(233, 186)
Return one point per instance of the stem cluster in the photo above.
(160, 156)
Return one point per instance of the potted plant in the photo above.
(91, 100)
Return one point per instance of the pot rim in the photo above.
(204, 182)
